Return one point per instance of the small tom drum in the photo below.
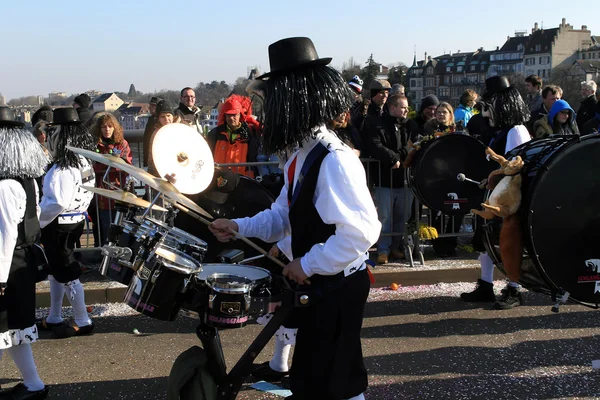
(229, 295)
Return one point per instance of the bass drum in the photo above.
(560, 217)
(246, 200)
(433, 173)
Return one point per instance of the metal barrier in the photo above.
(413, 212)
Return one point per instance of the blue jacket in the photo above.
(464, 114)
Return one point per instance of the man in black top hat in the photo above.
(326, 209)
(22, 159)
(63, 215)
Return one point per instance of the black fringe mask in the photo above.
(75, 135)
(509, 108)
(298, 102)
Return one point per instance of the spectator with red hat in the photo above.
(235, 139)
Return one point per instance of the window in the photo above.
(447, 79)
(448, 69)
(492, 57)
(429, 70)
(538, 47)
(583, 58)
(472, 68)
(459, 68)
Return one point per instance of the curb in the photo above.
(100, 292)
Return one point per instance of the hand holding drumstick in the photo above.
(225, 229)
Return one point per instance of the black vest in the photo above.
(29, 228)
(498, 142)
(307, 226)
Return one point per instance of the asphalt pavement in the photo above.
(420, 342)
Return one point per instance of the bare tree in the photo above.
(569, 83)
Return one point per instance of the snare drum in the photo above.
(174, 238)
(433, 173)
(228, 295)
(560, 217)
(158, 286)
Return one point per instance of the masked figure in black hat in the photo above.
(506, 113)
(327, 211)
(22, 158)
(64, 212)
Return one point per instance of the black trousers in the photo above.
(328, 360)
(59, 241)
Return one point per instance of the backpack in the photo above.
(190, 379)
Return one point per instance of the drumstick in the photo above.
(235, 233)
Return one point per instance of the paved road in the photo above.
(419, 343)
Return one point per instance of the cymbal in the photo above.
(122, 196)
(161, 185)
(179, 150)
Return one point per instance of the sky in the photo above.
(75, 46)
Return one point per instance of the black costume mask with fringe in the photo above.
(508, 108)
(300, 100)
(75, 135)
(21, 155)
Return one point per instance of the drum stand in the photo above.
(111, 250)
(230, 384)
(412, 241)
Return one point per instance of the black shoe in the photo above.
(44, 325)
(285, 382)
(483, 293)
(66, 331)
(510, 297)
(266, 373)
(20, 392)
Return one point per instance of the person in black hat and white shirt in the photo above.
(63, 216)
(507, 115)
(327, 209)
(22, 158)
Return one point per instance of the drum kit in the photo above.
(559, 212)
(163, 267)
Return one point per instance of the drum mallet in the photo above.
(461, 177)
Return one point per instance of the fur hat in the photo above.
(164, 106)
(356, 84)
(44, 113)
(83, 100)
(154, 100)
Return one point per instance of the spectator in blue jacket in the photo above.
(464, 111)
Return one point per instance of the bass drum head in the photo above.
(435, 169)
(246, 200)
(564, 219)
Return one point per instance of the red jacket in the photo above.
(116, 177)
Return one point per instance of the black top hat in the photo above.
(65, 115)
(7, 118)
(495, 84)
(290, 53)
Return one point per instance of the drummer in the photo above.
(63, 214)
(21, 159)
(329, 214)
(507, 114)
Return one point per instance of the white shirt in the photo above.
(62, 194)
(13, 201)
(516, 136)
(341, 198)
